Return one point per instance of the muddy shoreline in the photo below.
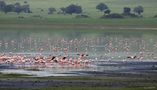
(127, 74)
(107, 79)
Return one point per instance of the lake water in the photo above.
(107, 50)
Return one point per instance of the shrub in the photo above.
(113, 15)
(71, 9)
(51, 10)
(155, 16)
(107, 11)
(130, 15)
(82, 16)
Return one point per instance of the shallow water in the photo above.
(107, 50)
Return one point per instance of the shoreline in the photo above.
(77, 26)
(114, 81)
(144, 77)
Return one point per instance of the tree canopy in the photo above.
(71, 9)
(138, 10)
(102, 7)
(126, 10)
(17, 7)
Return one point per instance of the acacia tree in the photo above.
(126, 10)
(71, 9)
(138, 10)
(2, 5)
(17, 8)
(9, 8)
(102, 7)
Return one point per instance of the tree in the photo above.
(26, 8)
(51, 10)
(78, 9)
(2, 5)
(138, 10)
(17, 8)
(73, 9)
(102, 7)
(17, 4)
(126, 10)
(9, 8)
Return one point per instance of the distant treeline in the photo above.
(137, 11)
(17, 7)
(73, 9)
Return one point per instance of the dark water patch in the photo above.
(7, 66)
(128, 63)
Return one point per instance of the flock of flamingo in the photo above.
(107, 45)
(44, 61)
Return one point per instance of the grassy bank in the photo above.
(77, 83)
(98, 24)
(47, 21)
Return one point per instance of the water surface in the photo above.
(106, 49)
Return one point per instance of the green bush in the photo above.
(82, 16)
(131, 15)
(155, 16)
(113, 15)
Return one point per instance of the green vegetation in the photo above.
(50, 20)
(129, 83)
(40, 14)
(89, 6)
